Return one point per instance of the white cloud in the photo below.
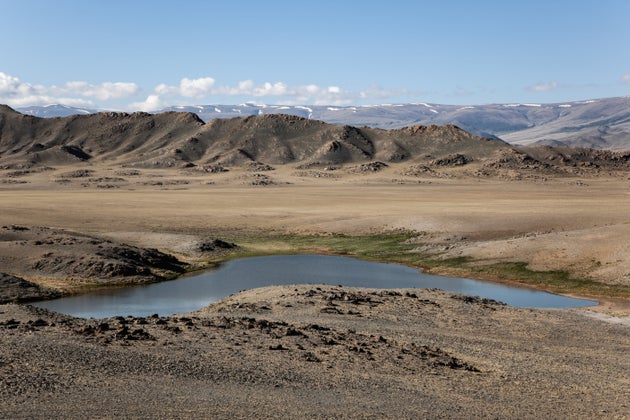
(196, 88)
(164, 89)
(249, 88)
(312, 89)
(246, 85)
(626, 78)
(310, 93)
(11, 88)
(268, 89)
(543, 87)
(277, 92)
(103, 91)
(112, 95)
(188, 88)
(31, 100)
(151, 103)
(8, 84)
(17, 93)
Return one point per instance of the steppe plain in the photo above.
(309, 350)
(278, 352)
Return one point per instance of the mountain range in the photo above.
(600, 123)
(183, 140)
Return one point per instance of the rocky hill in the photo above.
(601, 123)
(97, 137)
(182, 139)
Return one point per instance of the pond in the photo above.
(190, 293)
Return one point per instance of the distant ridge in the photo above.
(600, 124)
(183, 140)
(55, 110)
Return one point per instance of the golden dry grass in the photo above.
(560, 224)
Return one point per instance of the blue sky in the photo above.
(148, 54)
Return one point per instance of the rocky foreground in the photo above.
(309, 351)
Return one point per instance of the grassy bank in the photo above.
(396, 247)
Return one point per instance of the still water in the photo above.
(191, 293)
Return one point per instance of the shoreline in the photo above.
(607, 306)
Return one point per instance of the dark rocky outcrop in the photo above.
(17, 290)
(455, 159)
(212, 245)
(80, 259)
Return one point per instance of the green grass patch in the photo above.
(556, 281)
(367, 246)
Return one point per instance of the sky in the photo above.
(145, 55)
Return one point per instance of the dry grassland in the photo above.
(578, 225)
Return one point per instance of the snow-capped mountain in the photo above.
(54, 110)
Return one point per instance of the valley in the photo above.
(115, 200)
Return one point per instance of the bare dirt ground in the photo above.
(309, 351)
(288, 352)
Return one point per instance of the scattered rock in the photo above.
(107, 179)
(477, 300)
(259, 167)
(129, 172)
(452, 160)
(368, 167)
(315, 174)
(277, 347)
(210, 169)
(212, 245)
(258, 179)
(419, 170)
(39, 323)
(79, 173)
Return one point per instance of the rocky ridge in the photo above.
(598, 123)
(182, 140)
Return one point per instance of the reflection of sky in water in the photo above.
(192, 293)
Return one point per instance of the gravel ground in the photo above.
(307, 351)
